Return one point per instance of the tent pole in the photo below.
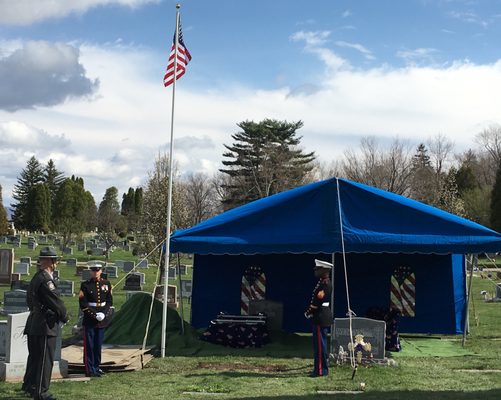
(473, 263)
(332, 305)
(181, 296)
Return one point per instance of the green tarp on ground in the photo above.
(430, 347)
(129, 324)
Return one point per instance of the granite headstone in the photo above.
(133, 283)
(66, 288)
(112, 271)
(373, 331)
(22, 268)
(129, 266)
(14, 302)
(6, 265)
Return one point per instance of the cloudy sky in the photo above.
(81, 80)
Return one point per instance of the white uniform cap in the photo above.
(323, 264)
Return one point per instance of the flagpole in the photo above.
(169, 199)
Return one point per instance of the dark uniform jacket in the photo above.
(29, 303)
(319, 309)
(95, 296)
(47, 309)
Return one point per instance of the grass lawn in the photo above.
(279, 370)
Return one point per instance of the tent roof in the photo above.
(306, 220)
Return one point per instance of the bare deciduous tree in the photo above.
(325, 170)
(440, 150)
(490, 140)
(199, 197)
(388, 169)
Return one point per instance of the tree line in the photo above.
(264, 158)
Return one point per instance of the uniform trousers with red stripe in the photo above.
(320, 354)
(93, 341)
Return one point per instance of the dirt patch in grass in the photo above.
(244, 367)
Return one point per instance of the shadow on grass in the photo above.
(283, 345)
(494, 394)
(298, 373)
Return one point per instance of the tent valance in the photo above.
(306, 220)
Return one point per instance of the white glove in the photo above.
(99, 316)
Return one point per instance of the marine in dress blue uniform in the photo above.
(95, 299)
(320, 313)
(47, 310)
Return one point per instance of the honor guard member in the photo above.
(29, 376)
(48, 311)
(319, 312)
(95, 302)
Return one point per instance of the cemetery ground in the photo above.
(429, 367)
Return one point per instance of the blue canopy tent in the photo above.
(283, 233)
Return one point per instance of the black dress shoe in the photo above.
(101, 372)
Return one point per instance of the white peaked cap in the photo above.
(323, 264)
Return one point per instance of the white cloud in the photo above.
(19, 136)
(313, 44)
(114, 139)
(469, 17)
(346, 14)
(311, 39)
(25, 12)
(356, 46)
(42, 74)
(421, 54)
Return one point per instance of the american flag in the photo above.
(253, 288)
(183, 58)
(403, 291)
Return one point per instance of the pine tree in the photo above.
(110, 224)
(495, 218)
(38, 208)
(29, 177)
(264, 159)
(138, 201)
(127, 207)
(72, 209)
(53, 178)
(4, 223)
(422, 177)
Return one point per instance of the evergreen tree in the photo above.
(138, 201)
(128, 202)
(465, 179)
(53, 178)
(264, 159)
(110, 223)
(422, 188)
(4, 223)
(72, 208)
(38, 208)
(495, 218)
(90, 215)
(29, 177)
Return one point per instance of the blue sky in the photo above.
(82, 79)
